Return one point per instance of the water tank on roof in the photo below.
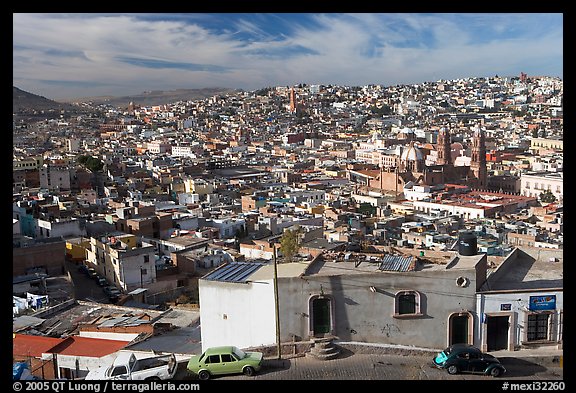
(467, 243)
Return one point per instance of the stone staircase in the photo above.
(323, 349)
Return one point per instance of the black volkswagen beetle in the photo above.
(466, 358)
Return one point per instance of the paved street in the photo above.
(351, 366)
(85, 288)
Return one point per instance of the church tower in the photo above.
(443, 147)
(478, 159)
(292, 100)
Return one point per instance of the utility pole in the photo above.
(279, 347)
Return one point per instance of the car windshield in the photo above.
(239, 353)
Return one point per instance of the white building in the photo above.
(533, 184)
(54, 177)
(73, 144)
(223, 321)
(60, 228)
(228, 227)
(184, 151)
(123, 260)
(522, 303)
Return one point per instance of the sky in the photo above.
(66, 56)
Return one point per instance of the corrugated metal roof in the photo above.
(234, 272)
(28, 345)
(396, 263)
(124, 321)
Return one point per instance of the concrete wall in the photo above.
(237, 313)
(50, 255)
(74, 227)
(540, 254)
(244, 314)
(365, 316)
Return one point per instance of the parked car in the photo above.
(83, 268)
(466, 358)
(112, 293)
(127, 367)
(92, 273)
(224, 360)
(101, 281)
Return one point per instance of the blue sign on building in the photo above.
(546, 302)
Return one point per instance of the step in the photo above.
(323, 350)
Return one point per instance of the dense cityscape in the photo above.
(406, 216)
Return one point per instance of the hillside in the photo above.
(25, 102)
(155, 97)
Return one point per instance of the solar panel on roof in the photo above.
(234, 272)
(396, 263)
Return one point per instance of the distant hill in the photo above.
(25, 102)
(156, 97)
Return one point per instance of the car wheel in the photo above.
(204, 375)
(496, 372)
(452, 370)
(248, 370)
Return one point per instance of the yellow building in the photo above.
(76, 249)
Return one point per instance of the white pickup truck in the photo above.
(129, 368)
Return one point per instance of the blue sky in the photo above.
(64, 56)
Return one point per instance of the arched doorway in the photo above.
(321, 316)
(460, 328)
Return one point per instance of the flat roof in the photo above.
(390, 263)
(233, 272)
(29, 345)
(465, 261)
(528, 273)
(291, 269)
(88, 346)
(186, 240)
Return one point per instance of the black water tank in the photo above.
(467, 244)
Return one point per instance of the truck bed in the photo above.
(148, 363)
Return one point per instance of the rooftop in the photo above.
(187, 240)
(29, 345)
(66, 322)
(87, 346)
(361, 263)
(528, 273)
(233, 272)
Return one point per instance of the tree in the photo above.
(547, 197)
(92, 163)
(290, 243)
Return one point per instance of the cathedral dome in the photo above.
(412, 153)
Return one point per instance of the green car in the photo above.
(224, 360)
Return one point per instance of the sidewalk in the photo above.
(545, 356)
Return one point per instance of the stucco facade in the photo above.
(521, 305)
(352, 303)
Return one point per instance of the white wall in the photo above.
(255, 253)
(59, 228)
(489, 303)
(240, 314)
(110, 335)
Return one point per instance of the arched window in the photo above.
(407, 304)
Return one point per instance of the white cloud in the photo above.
(348, 49)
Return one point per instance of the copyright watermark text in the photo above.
(534, 386)
(101, 387)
